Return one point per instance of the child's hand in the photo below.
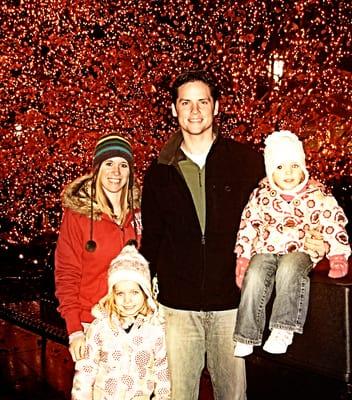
(338, 266)
(314, 244)
(77, 345)
(241, 268)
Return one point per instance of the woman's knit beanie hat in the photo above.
(281, 147)
(112, 145)
(130, 265)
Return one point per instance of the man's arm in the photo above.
(152, 221)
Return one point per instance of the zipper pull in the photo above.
(203, 239)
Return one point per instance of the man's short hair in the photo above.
(192, 76)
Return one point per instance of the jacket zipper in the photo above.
(202, 288)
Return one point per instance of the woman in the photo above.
(99, 219)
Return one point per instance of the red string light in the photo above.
(71, 71)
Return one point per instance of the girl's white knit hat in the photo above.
(282, 147)
(130, 265)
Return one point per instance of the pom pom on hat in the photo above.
(130, 265)
(281, 147)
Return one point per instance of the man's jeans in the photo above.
(192, 334)
(289, 272)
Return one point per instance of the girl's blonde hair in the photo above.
(108, 304)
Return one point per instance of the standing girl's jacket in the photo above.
(80, 275)
(120, 365)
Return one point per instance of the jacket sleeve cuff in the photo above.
(73, 323)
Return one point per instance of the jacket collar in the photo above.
(171, 153)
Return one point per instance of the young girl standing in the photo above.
(271, 246)
(125, 355)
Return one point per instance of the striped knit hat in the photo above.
(112, 145)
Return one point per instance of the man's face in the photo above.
(195, 108)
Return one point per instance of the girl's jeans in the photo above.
(290, 274)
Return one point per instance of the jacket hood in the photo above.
(77, 197)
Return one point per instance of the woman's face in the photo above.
(115, 172)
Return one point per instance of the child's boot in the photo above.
(243, 349)
(278, 341)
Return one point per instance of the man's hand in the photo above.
(77, 345)
(314, 244)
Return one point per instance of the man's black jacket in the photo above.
(196, 271)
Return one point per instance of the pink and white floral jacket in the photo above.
(270, 224)
(120, 365)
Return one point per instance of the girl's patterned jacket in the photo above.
(120, 365)
(270, 224)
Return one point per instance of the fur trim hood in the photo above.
(77, 197)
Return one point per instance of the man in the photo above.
(192, 200)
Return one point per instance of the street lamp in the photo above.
(276, 72)
(276, 68)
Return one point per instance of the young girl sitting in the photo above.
(125, 356)
(271, 246)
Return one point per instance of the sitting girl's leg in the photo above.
(256, 290)
(291, 301)
(292, 292)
